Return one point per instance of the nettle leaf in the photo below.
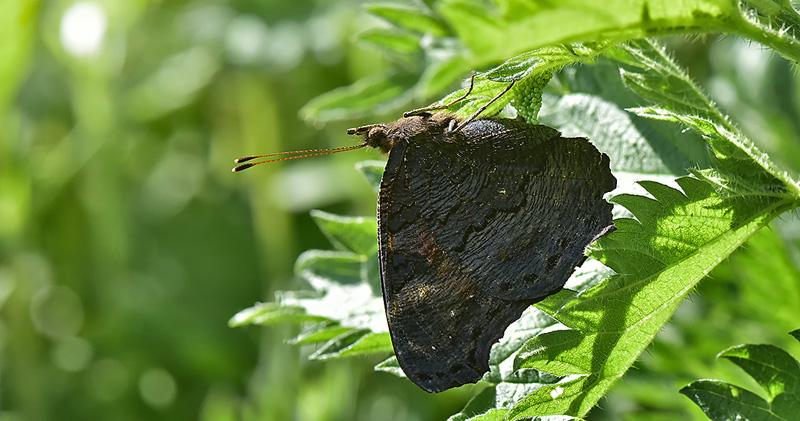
(778, 374)
(324, 334)
(495, 31)
(657, 78)
(271, 313)
(350, 233)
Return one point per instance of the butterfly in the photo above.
(477, 220)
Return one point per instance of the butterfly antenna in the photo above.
(438, 106)
(306, 153)
(484, 107)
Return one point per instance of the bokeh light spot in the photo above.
(83, 28)
(57, 311)
(72, 354)
(157, 387)
(108, 379)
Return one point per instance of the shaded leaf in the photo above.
(320, 335)
(373, 172)
(270, 313)
(390, 365)
(367, 96)
(353, 343)
(773, 368)
(394, 41)
(722, 401)
(410, 18)
(355, 234)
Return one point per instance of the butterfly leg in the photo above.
(437, 106)
(480, 110)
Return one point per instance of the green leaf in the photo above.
(492, 33)
(372, 171)
(349, 233)
(354, 343)
(270, 313)
(490, 415)
(394, 41)
(440, 75)
(365, 97)
(320, 335)
(496, 401)
(390, 365)
(328, 267)
(722, 401)
(773, 368)
(410, 18)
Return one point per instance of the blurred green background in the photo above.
(126, 243)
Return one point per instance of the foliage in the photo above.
(561, 359)
(771, 367)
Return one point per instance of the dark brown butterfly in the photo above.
(478, 219)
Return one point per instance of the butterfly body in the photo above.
(475, 225)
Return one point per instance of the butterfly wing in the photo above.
(474, 229)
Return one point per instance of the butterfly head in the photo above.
(375, 136)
